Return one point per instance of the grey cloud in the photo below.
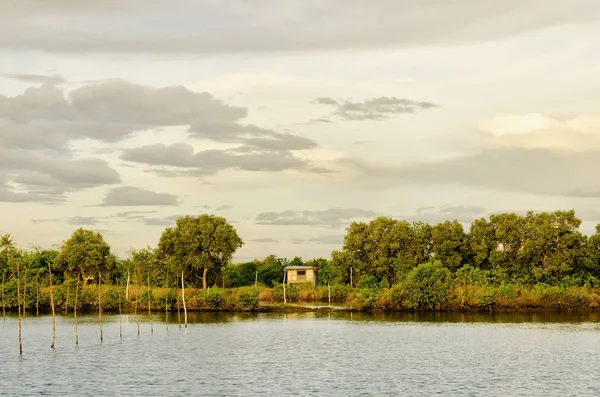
(111, 110)
(272, 25)
(263, 240)
(132, 196)
(375, 108)
(328, 239)
(37, 78)
(538, 171)
(223, 208)
(212, 161)
(72, 220)
(48, 177)
(251, 136)
(330, 218)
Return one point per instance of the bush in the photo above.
(248, 298)
(428, 285)
(291, 291)
(368, 292)
(110, 298)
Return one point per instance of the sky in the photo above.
(293, 118)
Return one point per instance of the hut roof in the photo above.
(299, 267)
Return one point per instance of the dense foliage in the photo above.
(508, 260)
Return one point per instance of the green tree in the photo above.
(449, 244)
(206, 243)
(591, 255)
(85, 255)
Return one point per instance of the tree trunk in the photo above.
(329, 293)
(19, 306)
(127, 288)
(100, 308)
(3, 302)
(183, 300)
(150, 305)
(256, 279)
(350, 277)
(204, 277)
(52, 307)
(75, 312)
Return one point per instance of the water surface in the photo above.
(327, 354)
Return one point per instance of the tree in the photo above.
(205, 242)
(449, 244)
(86, 256)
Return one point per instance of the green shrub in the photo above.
(248, 298)
(425, 286)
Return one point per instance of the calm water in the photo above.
(338, 354)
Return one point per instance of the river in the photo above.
(303, 354)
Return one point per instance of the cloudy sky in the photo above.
(293, 118)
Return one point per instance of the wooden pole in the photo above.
(52, 307)
(19, 306)
(183, 300)
(75, 313)
(256, 279)
(284, 297)
(150, 305)
(100, 308)
(120, 317)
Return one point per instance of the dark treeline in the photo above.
(507, 260)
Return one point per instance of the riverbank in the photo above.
(500, 298)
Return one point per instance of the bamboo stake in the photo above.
(19, 306)
(52, 307)
(100, 308)
(183, 299)
(150, 305)
(120, 317)
(75, 313)
(284, 297)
